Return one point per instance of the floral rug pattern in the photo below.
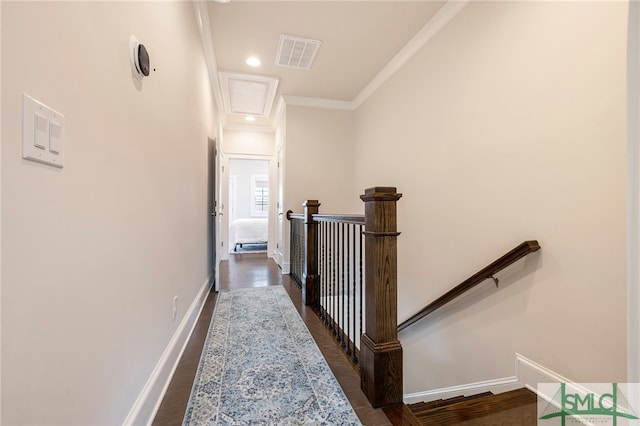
(260, 366)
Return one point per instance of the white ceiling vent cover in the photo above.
(296, 52)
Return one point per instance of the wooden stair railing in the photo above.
(379, 352)
(296, 243)
(380, 349)
(486, 273)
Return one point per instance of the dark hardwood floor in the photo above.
(256, 270)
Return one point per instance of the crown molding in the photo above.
(448, 11)
(431, 28)
(204, 27)
(318, 102)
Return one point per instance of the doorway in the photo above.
(249, 201)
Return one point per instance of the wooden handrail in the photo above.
(292, 215)
(339, 218)
(488, 272)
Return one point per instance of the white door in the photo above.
(223, 218)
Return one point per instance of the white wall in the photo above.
(319, 159)
(94, 253)
(0, 215)
(249, 142)
(509, 125)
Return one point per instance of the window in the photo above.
(259, 195)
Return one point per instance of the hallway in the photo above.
(256, 270)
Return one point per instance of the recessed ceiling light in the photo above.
(250, 118)
(253, 62)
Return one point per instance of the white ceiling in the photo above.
(359, 38)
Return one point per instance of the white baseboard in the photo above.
(530, 373)
(496, 386)
(286, 268)
(527, 374)
(148, 402)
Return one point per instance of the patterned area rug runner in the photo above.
(260, 365)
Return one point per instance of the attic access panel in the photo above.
(244, 94)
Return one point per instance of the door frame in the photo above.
(212, 238)
(280, 250)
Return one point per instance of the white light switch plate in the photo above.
(42, 133)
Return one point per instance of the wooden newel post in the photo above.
(310, 271)
(380, 351)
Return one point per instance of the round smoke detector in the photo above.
(139, 58)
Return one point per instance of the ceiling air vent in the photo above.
(296, 52)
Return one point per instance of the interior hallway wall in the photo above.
(0, 215)
(94, 253)
(633, 198)
(509, 125)
(245, 142)
(319, 159)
